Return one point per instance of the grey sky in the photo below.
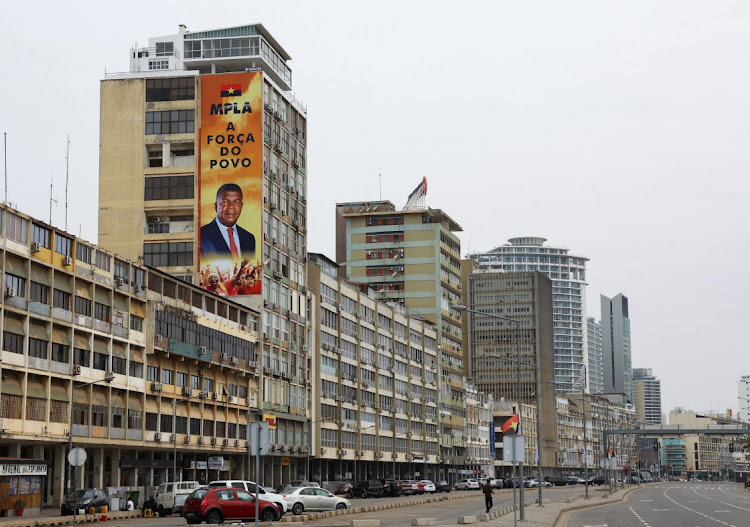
(618, 129)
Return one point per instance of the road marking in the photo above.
(697, 512)
(647, 500)
(660, 510)
(722, 511)
(639, 517)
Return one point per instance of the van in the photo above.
(170, 497)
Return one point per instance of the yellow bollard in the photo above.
(147, 513)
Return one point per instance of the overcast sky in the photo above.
(617, 129)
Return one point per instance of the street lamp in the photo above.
(517, 322)
(109, 378)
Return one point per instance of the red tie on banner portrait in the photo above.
(232, 244)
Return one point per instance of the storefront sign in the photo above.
(215, 462)
(7, 469)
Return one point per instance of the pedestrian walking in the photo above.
(487, 489)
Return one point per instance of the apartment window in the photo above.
(182, 379)
(81, 357)
(60, 352)
(166, 254)
(176, 89)
(103, 261)
(151, 420)
(16, 283)
(39, 293)
(118, 417)
(152, 373)
(83, 253)
(63, 244)
(99, 415)
(167, 376)
(40, 235)
(135, 369)
(170, 122)
(118, 365)
(164, 49)
(83, 306)
(158, 64)
(37, 348)
(61, 299)
(100, 361)
(121, 270)
(168, 187)
(136, 323)
(80, 413)
(101, 312)
(16, 228)
(12, 342)
(135, 418)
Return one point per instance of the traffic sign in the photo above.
(258, 443)
(77, 457)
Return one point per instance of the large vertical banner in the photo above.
(230, 196)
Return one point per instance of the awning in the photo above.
(82, 290)
(118, 350)
(14, 265)
(134, 402)
(100, 398)
(136, 308)
(36, 390)
(13, 325)
(11, 386)
(38, 332)
(100, 347)
(136, 355)
(39, 275)
(151, 405)
(120, 302)
(60, 336)
(82, 341)
(102, 296)
(58, 393)
(118, 401)
(62, 283)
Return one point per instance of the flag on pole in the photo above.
(511, 423)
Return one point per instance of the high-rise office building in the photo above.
(411, 257)
(596, 367)
(568, 274)
(203, 156)
(743, 397)
(492, 345)
(616, 353)
(647, 396)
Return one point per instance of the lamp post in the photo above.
(517, 322)
(109, 378)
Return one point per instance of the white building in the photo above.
(596, 367)
(568, 274)
(743, 397)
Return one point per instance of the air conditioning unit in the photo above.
(225, 442)
(157, 338)
(36, 247)
(156, 386)
(223, 356)
(266, 336)
(187, 391)
(285, 448)
(202, 350)
(232, 399)
(203, 395)
(304, 348)
(213, 440)
(187, 438)
(341, 452)
(10, 292)
(322, 450)
(274, 240)
(214, 395)
(76, 369)
(119, 281)
(201, 440)
(236, 442)
(138, 288)
(157, 436)
(67, 261)
(233, 360)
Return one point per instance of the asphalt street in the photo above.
(670, 505)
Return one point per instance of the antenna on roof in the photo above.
(380, 183)
(51, 199)
(5, 150)
(67, 164)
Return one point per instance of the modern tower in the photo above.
(596, 367)
(743, 397)
(568, 274)
(616, 353)
(647, 396)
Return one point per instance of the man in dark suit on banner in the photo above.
(223, 238)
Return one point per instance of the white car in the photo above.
(429, 486)
(250, 487)
(468, 484)
(301, 499)
(534, 483)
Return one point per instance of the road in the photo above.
(671, 505)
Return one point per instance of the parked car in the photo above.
(345, 489)
(556, 481)
(534, 483)
(216, 504)
(170, 497)
(428, 486)
(391, 488)
(408, 488)
(634, 480)
(83, 499)
(575, 480)
(597, 480)
(511, 483)
(468, 484)
(496, 483)
(250, 486)
(294, 484)
(442, 486)
(302, 499)
(368, 488)
(420, 486)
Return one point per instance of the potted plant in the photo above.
(19, 505)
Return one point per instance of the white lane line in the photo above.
(660, 510)
(639, 517)
(722, 502)
(696, 512)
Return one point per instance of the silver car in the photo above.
(302, 499)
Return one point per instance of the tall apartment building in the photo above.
(568, 274)
(491, 345)
(411, 257)
(596, 364)
(197, 111)
(647, 396)
(616, 351)
(743, 397)
(137, 365)
(376, 383)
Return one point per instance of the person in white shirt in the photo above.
(131, 506)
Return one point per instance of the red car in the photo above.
(214, 505)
